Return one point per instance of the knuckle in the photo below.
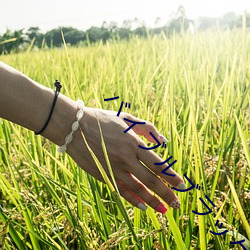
(167, 196)
(158, 169)
(151, 182)
(152, 202)
(149, 124)
(142, 144)
(122, 189)
(151, 127)
(123, 114)
(148, 127)
(137, 188)
(127, 115)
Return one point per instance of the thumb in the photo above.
(145, 129)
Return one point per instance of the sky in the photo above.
(81, 14)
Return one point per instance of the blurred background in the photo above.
(87, 22)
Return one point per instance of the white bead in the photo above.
(62, 149)
(68, 138)
(80, 103)
(75, 126)
(79, 114)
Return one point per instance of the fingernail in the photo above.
(162, 138)
(182, 186)
(175, 204)
(161, 208)
(142, 206)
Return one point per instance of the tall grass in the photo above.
(195, 89)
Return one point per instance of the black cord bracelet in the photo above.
(58, 87)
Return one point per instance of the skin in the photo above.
(28, 103)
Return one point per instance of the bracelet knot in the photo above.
(58, 86)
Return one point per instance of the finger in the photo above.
(149, 158)
(154, 183)
(131, 197)
(144, 129)
(134, 191)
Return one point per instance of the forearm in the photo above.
(27, 103)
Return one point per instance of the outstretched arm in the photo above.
(28, 103)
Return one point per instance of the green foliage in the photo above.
(71, 35)
(20, 41)
(13, 41)
(194, 88)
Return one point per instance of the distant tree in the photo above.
(71, 35)
(239, 21)
(124, 33)
(207, 23)
(19, 40)
(181, 13)
(74, 36)
(34, 33)
(136, 23)
(13, 41)
(94, 34)
(7, 41)
(180, 22)
(127, 24)
(141, 31)
(248, 19)
(105, 25)
(105, 35)
(54, 37)
(113, 27)
(229, 20)
(157, 22)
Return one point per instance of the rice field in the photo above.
(196, 91)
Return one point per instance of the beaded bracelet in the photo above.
(74, 127)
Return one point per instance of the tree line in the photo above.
(20, 40)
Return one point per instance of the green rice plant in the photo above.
(194, 88)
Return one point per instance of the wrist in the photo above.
(61, 121)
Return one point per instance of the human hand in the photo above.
(133, 167)
(127, 159)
